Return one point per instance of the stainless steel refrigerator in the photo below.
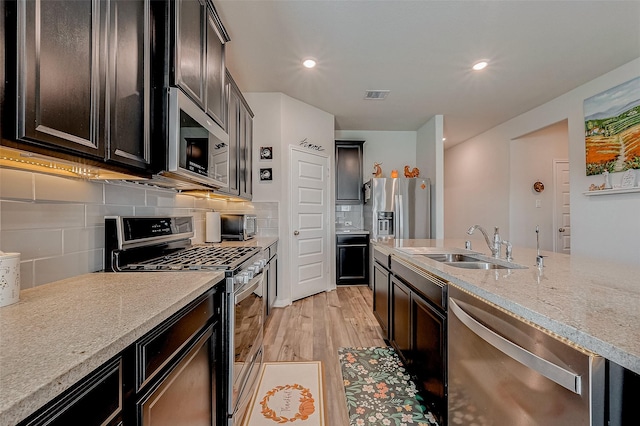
(397, 208)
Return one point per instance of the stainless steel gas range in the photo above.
(139, 244)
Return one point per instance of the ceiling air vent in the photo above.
(376, 95)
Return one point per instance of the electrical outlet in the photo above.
(348, 223)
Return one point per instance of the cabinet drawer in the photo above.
(96, 400)
(155, 350)
(381, 258)
(427, 285)
(352, 239)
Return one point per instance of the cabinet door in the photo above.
(94, 401)
(381, 297)
(214, 81)
(129, 82)
(272, 291)
(246, 152)
(190, 48)
(188, 393)
(348, 173)
(428, 351)
(233, 128)
(401, 321)
(61, 87)
(352, 264)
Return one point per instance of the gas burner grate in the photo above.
(199, 257)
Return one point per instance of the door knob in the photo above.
(561, 230)
(296, 232)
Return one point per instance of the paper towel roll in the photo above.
(212, 225)
(9, 278)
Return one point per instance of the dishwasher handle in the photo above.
(551, 371)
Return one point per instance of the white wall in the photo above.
(477, 175)
(430, 161)
(281, 121)
(393, 149)
(532, 159)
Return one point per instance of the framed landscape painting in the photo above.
(612, 129)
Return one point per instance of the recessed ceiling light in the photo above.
(480, 65)
(309, 63)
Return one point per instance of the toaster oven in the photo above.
(238, 226)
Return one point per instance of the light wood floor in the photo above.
(312, 329)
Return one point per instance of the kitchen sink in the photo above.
(476, 261)
(476, 265)
(452, 257)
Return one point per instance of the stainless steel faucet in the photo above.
(493, 246)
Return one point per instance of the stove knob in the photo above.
(249, 272)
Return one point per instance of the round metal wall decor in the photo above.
(538, 186)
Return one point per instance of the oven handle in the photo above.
(246, 290)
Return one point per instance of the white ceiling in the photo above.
(422, 51)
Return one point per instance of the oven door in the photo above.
(248, 322)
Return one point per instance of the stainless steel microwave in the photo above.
(238, 226)
(198, 149)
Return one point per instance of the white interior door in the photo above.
(562, 208)
(309, 239)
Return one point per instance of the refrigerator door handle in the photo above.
(400, 209)
(551, 371)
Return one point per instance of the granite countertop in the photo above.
(343, 231)
(591, 302)
(59, 332)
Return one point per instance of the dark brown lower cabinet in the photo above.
(381, 297)
(170, 376)
(418, 333)
(401, 317)
(352, 259)
(187, 394)
(96, 400)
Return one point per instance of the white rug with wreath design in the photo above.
(288, 392)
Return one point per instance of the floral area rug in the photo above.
(379, 390)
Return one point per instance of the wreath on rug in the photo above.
(305, 409)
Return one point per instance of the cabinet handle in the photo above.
(551, 371)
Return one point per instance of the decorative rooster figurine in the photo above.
(411, 173)
(377, 170)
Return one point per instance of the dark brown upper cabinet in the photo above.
(82, 79)
(349, 172)
(240, 128)
(199, 56)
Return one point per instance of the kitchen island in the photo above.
(591, 302)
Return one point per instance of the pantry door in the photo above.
(310, 230)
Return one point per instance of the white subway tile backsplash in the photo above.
(70, 265)
(53, 188)
(125, 194)
(57, 224)
(32, 243)
(26, 274)
(22, 215)
(83, 239)
(96, 213)
(16, 184)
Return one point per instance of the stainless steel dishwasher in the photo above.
(504, 370)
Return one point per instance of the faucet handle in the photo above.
(508, 251)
